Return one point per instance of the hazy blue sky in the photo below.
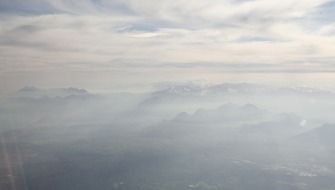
(121, 44)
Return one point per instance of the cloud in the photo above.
(177, 36)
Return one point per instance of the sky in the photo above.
(115, 45)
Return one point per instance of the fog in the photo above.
(231, 136)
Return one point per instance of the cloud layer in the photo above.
(183, 38)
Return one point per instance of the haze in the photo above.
(167, 95)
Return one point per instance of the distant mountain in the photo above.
(280, 126)
(232, 88)
(38, 93)
(249, 88)
(182, 90)
(191, 91)
(321, 136)
(226, 112)
(209, 121)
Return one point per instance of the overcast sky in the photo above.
(122, 44)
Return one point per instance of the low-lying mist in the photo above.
(231, 136)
